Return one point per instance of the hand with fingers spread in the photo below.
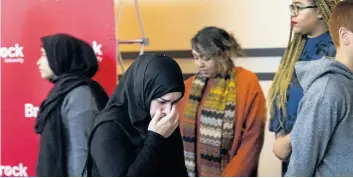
(164, 125)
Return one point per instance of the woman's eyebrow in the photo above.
(165, 100)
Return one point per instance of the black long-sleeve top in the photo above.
(114, 154)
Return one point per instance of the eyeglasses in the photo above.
(295, 9)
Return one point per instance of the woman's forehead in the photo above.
(302, 2)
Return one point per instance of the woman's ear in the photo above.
(319, 14)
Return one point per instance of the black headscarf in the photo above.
(151, 76)
(73, 62)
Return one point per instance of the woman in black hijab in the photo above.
(137, 133)
(67, 115)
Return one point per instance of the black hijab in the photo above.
(74, 63)
(151, 76)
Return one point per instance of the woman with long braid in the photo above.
(311, 41)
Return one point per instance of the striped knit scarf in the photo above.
(216, 126)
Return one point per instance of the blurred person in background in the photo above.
(222, 115)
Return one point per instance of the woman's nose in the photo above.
(199, 63)
(167, 108)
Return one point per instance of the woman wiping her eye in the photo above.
(137, 133)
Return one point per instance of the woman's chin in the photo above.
(204, 74)
(297, 30)
(47, 77)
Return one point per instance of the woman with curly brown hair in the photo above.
(222, 113)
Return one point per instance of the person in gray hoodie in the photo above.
(322, 137)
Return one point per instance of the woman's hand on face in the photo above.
(165, 125)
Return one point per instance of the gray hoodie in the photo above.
(322, 137)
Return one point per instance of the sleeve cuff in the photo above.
(154, 139)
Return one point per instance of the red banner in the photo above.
(22, 88)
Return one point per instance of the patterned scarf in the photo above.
(216, 126)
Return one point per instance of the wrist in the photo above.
(151, 134)
(287, 138)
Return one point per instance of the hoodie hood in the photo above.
(309, 71)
